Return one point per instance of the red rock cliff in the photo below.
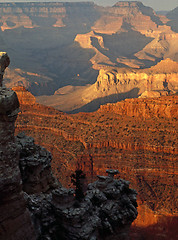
(137, 136)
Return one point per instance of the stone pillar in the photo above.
(4, 62)
(15, 221)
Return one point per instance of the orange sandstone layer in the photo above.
(136, 136)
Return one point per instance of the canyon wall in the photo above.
(77, 40)
(35, 206)
(116, 84)
(136, 136)
(157, 79)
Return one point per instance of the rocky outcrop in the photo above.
(35, 166)
(106, 211)
(15, 221)
(108, 208)
(130, 15)
(24, 97)
(110, 33)
(4, 63)
(165, 107)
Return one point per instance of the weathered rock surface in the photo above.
(35, 166)
(136, 136)
(24, 97)
(32, 206)
(106, 211)
(116, 84)
(108, 208)
(163, 77)
(15, 221)
(4, 63)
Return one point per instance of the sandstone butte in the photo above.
(136, 136)
(161, 79)
(116, 84)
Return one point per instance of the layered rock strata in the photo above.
(106, 211)
(136, 136)
(85, 37)
(15, 221)
(116, 84)
(27, 196)
(161, 79)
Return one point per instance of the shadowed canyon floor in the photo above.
(136, 136)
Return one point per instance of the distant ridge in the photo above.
(166, 66)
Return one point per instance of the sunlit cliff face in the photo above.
(137, 136)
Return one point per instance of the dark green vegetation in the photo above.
(77, 179)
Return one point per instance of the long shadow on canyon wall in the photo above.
(95, 104)
(166, 229)
(51, 51)
(124, 44)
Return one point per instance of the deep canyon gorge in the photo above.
(62, 51)
(136, 136)
(97, 89)
(34, 205)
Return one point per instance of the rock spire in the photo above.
(4, 63)
(15, 221)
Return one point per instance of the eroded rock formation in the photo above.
(136, 136)
(106, 211)
(24, 96)
(162, 78)
(35, 166)
(82, 37)
(33, 205)
(116, 84)
(4, 63)
(15, 221)
(136, 21)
